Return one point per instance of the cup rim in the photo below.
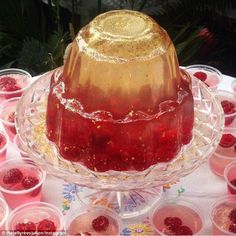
(86, 208)
(217, 203)
(32, 204)
(17, 71)
(226, 170)
(3, 202)
(7, 140)
(176, 201)
(25, 190)
(1, 108)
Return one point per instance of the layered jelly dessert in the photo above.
(223, 217)
(21, 181)
(176, 219)
(225, 153)
(35, 218)
(93, 221)
(13, 82)
(228, 103)
(121, 101)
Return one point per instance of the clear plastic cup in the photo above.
(35, 215)
(233, 86)
(230, 177)
(4, 211)
(21, 181)
(225, 152)
(13, 82)
(221, 216)
(94, 220)
(7, 116)
(4, 141)
(19, 146)
(212, 77)
(177, 217)
(228, 103)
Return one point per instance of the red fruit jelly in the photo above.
(123, 114)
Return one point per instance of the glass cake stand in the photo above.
(130, 193)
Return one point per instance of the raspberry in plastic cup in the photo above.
(176, 217)
(7, 116)
(223, 216)
(4, 211)
(4, 141)
(230, 177)
(93, 220)
(207, 74)
(225, 153)
(35, 218)
(21, 181)
(13, 82)
(19, 146)
(228, 103)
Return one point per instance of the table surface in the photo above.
(201, 187)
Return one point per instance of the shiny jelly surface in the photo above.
(104, 141)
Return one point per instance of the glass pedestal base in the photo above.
(128, 204)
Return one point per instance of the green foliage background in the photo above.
(33, 39)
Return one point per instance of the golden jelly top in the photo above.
(122, 36)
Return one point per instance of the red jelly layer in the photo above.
(104, 141)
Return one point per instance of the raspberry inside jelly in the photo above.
(136, 140)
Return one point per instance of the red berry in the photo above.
(6, 80)
(29, 182)
(11, 117)
(232, 227)
(228, 107)
(200, 75)
(12, 176)
(232, 214)
(235, 148)
(227, 140)
(183, 230)
(46, 226)
(173, 222)
(26, 227)
(101, 223)
(232, 190)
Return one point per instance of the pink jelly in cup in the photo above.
(228, 103)
(7, 116)
(230, 177)
(21, 181)
(176, 217)
(13, 82)
(35, 218)
(93, 220)
(4, 211)
(19, 146)
(225, 152)
(223, 216)
(4, 140)
(207, 74)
